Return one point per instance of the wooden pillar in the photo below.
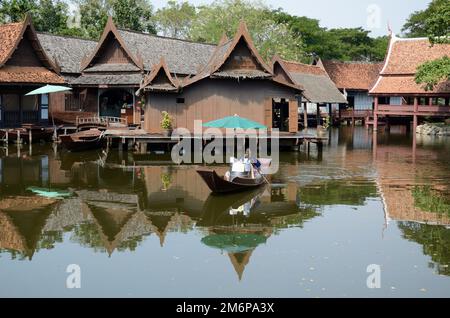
(375, 114)
(318, 114)
(30, 137)
(414, 123)
(330, 113)
(305, 115)
(293, 116)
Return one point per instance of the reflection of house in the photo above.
(397, 81)
(318, 90)
(403, 195)
(22, 220)
(24, 66)
(236, 80)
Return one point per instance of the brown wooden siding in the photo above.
(213, 99)
(113, 53)
(293, 116)
(24, 55)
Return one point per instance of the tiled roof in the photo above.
(406, 84)
(9, 34)
(404, 56)
(29, 74)
(407, 54)
(317, 86)
(67, 51)
(353, 75)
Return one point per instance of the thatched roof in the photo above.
(182, 57)
(67, 51)
(160, 79)
(108, 79)
(317, 86)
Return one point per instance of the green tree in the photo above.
(429, 21)
(269, 36)
(340, 44)
(94, 14)
(51, 16)
(133, 15)
(433, 22)
(16, 10)
(175, 19)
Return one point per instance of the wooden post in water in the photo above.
(30, 137)
(6, 137)
(375, 114)
(305, 115)
(18, 137)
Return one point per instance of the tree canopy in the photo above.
(433, 22)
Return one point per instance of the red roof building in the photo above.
(397, 80)
(24, 66)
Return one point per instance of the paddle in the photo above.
(260, 173)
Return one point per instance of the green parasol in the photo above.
(234, 242)
(235, 122)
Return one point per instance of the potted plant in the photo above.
(166, 124)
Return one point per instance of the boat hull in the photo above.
(219, 185)
(82, 141)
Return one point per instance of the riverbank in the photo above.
(434, 129)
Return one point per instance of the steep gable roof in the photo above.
(315, 82)
(160, 79)
(403, 58)
(111, 30)
(220, 66)
(352, 75)
(15, 38)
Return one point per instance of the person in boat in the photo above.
(244, 167)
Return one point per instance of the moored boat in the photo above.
(83, 140)
(219, 184)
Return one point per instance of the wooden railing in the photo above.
(355, 113)
(13, 118)
(105, 121)
(409, 109)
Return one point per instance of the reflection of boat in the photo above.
(83, 140)
(218, 184)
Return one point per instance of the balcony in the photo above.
(421, 110)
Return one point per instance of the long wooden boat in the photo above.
(83, 140)
(218, 184)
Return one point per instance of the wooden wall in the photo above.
(212, 99)
(112, 53)
(24, 55)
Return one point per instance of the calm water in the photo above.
(139, 227)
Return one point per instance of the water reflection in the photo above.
(119, 200)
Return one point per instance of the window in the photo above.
(72, 102)
(44, 106)
(384, 100)
(180, 100)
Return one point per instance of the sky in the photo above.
(373, 15)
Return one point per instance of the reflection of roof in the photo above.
(404, 56)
